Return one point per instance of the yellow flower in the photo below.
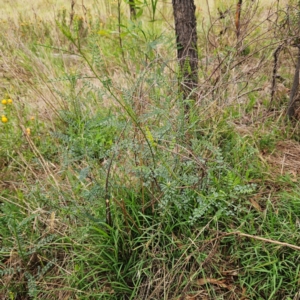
(32, 118)
(4, 119)
(28, 131)
(9, 101)
(4, 101)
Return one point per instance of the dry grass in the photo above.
(47, 9)
(54, 182)
(285, 159)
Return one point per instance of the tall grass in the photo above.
(107, 192)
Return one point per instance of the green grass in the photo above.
(201, 208)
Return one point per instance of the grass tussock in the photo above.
(108, 190)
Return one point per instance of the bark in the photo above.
(186, 37)
(294, 94)
(294, 91)
(275, 68)
(238, 18)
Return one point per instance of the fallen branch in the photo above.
(263, 239)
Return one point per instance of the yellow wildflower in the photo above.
(4, 101)
(4, 119)
(32, 118)
(28, 131)
(9, 101)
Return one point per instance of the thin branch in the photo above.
(263, 239)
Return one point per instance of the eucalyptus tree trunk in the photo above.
(294, 90)
(238, 18)
(294, 94)
(187, 52)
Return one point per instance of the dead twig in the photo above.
(259, 238)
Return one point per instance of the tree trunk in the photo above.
(295, 89)
(294, 94)
(132, 9)
(238, 18)
(186, 37)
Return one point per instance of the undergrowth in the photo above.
(109, 191)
